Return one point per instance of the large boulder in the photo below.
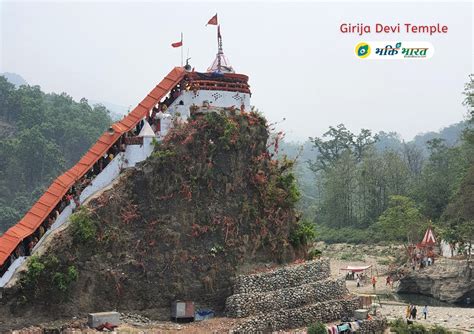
(447, 280)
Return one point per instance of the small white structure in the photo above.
(136, 153)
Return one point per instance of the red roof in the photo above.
(428, 239)
(45, 205)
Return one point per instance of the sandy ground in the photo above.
(454, 318)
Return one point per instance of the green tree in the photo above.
(440, 178)
(458, 219)
(402, 221)
(49, 133)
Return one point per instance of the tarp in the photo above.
(356, 268)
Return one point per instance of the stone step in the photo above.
(284, 277)
(247, 304)
(299, 317)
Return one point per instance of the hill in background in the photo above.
(41, 135)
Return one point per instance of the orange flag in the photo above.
(213, 20)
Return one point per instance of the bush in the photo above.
(64, 280)
(304, 233)
(287, 182)
(157, 154)
(46, 277)
(35, 269)
(83, 227)
(317, 328)
(439, 330)
(400, 326)
(314, 253)
(351, 256)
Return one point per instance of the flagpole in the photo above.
(181, 50)
(219, 47)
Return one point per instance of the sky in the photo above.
(303, 72)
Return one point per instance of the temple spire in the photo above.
(221, 63)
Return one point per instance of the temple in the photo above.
(182, 93)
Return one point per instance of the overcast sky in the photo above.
(301, 66)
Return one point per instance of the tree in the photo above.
(402, 221)
(440, 178)
(330, 150)
(458, 218)
(50, 132)
(338, 190)
(413, 157)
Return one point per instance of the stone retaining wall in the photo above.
(247, 304)
(299, 317)
(376, 326)
(281, 278)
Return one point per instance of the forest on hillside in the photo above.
(366, 187)
(41, 135)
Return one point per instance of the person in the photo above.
(408, 311)
(425, 311)
(374, 280)
(388, 281)
(358, 282)
(413, 312)
(41, 231)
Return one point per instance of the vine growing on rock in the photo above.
(209, 200)
(194, 156)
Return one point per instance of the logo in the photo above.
(362, 50)
(394, 50)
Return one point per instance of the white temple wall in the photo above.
(11, 271)
(137, 153)
(108, 174)
(446, 250)
(216, 98)
(166, 124)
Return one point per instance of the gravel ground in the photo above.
(455, 318)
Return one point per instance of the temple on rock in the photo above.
(181, 93)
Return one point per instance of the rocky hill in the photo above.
(207, 205)
(447, 280)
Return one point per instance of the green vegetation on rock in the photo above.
(83, 228)
(317, 328)
(47, 279)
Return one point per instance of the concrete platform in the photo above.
(96, 319)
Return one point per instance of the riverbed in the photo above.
(455, 317)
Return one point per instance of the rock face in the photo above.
(448, 280)
(292, 297)
(209, 202)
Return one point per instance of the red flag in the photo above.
(178, 44)
(213, 20)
